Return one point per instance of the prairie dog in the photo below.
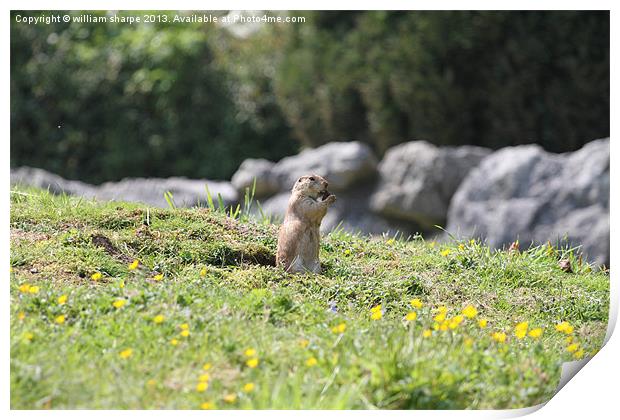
(299, 236)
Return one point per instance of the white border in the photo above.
(592, 394)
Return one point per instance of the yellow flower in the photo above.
(204, 377)
(203, 272)
(472, 242)
(96, 276)
(340, 328)
(535, 333)
(126, 354)
(572, 348)
(389, 241)
(578, 354)
(33, 290)
(21, 316)
(250, 352)
(119, 303)
(24, 288)
(470, 311)
(468, 342)
(564, 327)
(432, 244)
(411, 316)
(158, 319)
(60, 319)
(461, 247)
(185, 333)
(440, 317)
(208, 405)
(303, 343)
(500, 337)
(569, 339)
(62, 299)
(375, 316)
(151, 382)
(206, 366)
(416, 303)
(28, 336)
(158, 277)
(249, 387)
(311, 361)
(521, 330)
(375, 309)
(482, 323)
(184, 326)
(455, 322)
(133, 265)
(121, 284)
(252, 362)
(347, 252)
(427, 333)
(174, 341)
(444, 326)
(230, 398)
(202, 386)
(445, 252)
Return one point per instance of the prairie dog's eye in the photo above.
(299, 180)
(311, 178)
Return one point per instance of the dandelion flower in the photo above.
(303, 343)
(564, 327)
(249, 387)
(28, 336)
(521, 330)
(33, 290)
(311, 362)
(230, 398)
(202, 386)
(185, 333)
(444, 326)
(204, 377)
(133, 265)
(119, 303)
(121, 284)
(468, 342)
(24, 288)
(390, 241)
(535, 333)
(158, 319)
(427, 333)
(375, 309)
(151, 382)
(578, 354)
(21, 315)
(340, 328)
(207, 405)
(62, 299)
(416, 303)
(411, 316)
(482, 323)
(500, 337)
(454, 322)
(375, 316)
(126, 354)
(433, 244)
(461, 247)
(347, 252)
(472, 242)
(572, 348)
(60, 319)
(203, 272)
(440, 317)
(252, 363)
(184, 326)
(250, 352)
(470, 311)
(445, 252)
(206, 366)
(174, 341)
(569, 339)
(96, 276)
(158, 277)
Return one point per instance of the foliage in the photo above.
(164, 313)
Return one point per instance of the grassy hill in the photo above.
(204, 319)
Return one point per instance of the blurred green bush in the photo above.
(100, 102)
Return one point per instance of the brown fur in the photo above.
(299, 236)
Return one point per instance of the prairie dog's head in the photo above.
(314, 186)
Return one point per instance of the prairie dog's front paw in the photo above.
(331, 199)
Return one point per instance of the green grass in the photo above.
(218, 279)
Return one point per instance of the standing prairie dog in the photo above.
(299, 236)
